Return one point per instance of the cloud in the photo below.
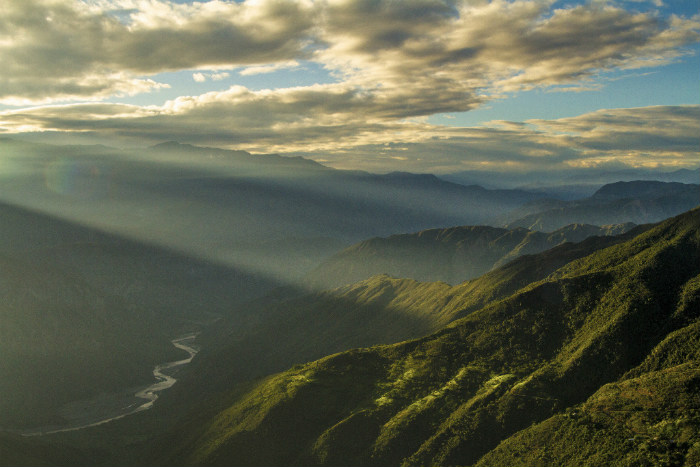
(655, 134)
(219, 76)
(464, 52)
(257, 70)
(202, 77)
(86, 50)
(394, 63)
(337, 124)
(416, 57)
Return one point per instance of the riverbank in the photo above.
(108, 407)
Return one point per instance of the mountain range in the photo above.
(584, 353)
(638, 202)
(524, 336)
(595, 362)
(84, 311)
(450, 255)
(259, 213)
(572, 184)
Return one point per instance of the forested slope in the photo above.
(616, 328)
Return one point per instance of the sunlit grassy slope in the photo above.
(594, 362)
(276, 333)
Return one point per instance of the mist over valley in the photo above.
(349, 232)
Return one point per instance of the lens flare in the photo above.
(77, 179)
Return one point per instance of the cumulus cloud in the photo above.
(651, 136)
(219, 76)
(394, 63)
(415, 57)
(70, 50)
(647, 137)
(463, 52)
(266, 120)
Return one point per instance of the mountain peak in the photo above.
(172, 145)
(638, 189)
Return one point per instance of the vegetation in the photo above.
(278, 332)
(594, 340)
(567, 370)
(85, 312)
(19, 451)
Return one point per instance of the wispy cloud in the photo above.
(265, 121)
(261, 69)
(202, 77)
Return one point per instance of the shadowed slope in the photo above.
(450, 255)
(18, 451)
(85, 312)
(273, 334)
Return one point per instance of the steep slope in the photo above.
(650, 416)
(62, 337)
(84, 312)
(106, 254)
(142, 274)
(277, 332)
(450, 255)
(615, 319)
(638, 202)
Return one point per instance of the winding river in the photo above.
(134, 400)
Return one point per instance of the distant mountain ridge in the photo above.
(572, 184)
(640, 189)
(451, 255)
(229, 206)
(639, 202)
(230, 155)
(113, 252)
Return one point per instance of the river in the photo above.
(106, 408)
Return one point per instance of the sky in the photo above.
(380, 85)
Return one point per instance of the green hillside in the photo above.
(276, 333)
(605, 344)
(450, 255)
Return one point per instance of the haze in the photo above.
(349, 232)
